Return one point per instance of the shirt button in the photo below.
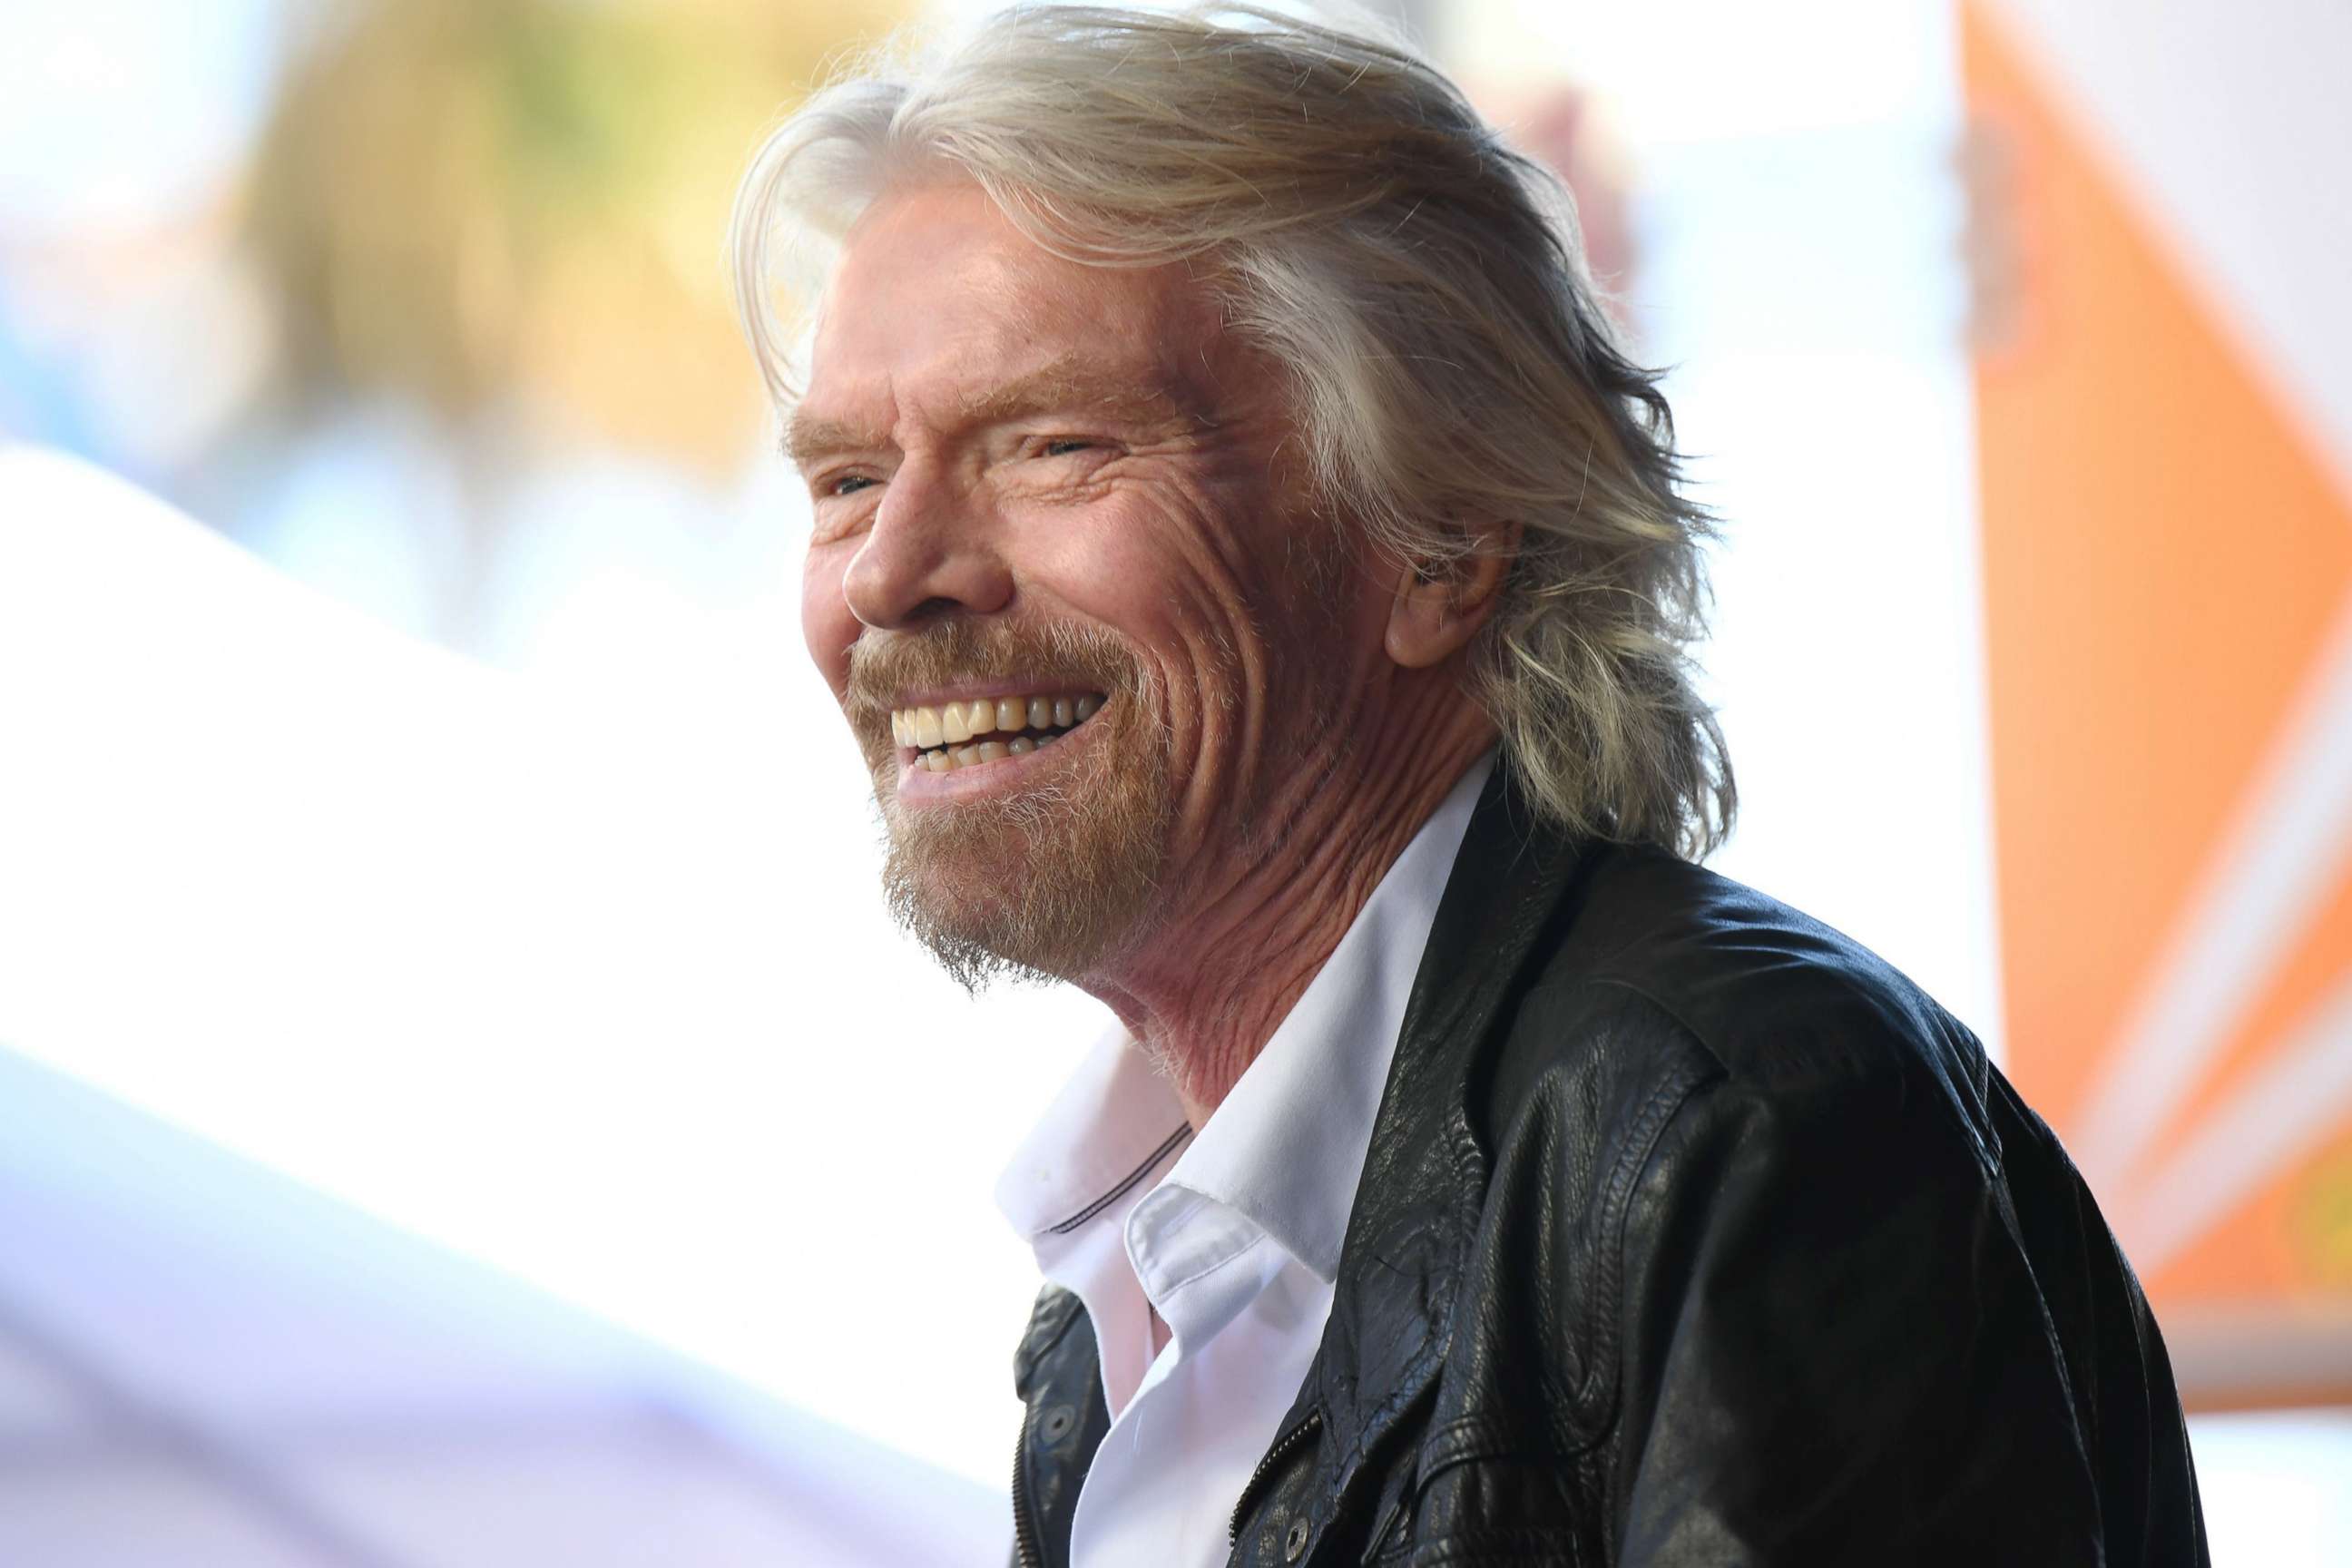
(1294, 1541)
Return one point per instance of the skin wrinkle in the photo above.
(1067, 385)
(1283, 930)
(1194, 853)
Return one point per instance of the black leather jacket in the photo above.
(1691, 1234)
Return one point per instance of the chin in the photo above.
(1054, 865)
(1055, 894)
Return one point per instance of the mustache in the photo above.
(883, 663)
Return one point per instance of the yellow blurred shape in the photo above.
(474, 201)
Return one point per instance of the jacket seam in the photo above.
(1987, 1147)
(1649, 1125)
(1665, 1107)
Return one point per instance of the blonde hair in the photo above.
(1453, 372)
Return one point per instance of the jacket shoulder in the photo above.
(1679, 968)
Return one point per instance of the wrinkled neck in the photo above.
(1207, 991)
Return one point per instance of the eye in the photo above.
(1064, 445)
(844, 485)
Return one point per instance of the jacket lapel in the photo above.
(1425, 1176)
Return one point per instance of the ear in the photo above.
(1439, 608)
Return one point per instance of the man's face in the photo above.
(1066, 583)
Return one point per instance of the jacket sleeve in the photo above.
(1832, 1348)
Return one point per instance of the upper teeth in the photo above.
(952, 724)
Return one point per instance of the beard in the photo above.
(1047, 882)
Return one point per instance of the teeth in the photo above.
(953, 724)
(994, 751)
(936, 762)
(965, 756)
(1021, 747)
(1046, 741)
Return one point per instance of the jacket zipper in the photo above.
(1284, 1447)
(1024, 1545)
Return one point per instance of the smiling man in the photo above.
(1136, 717)
(1261, 591)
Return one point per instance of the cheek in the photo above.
(827, 625)
(1221, 586)
(1162, 569)
(1156, 599)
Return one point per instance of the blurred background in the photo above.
(461, 1102)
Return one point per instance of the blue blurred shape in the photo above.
(202, 1363)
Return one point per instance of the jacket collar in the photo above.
(1402, 1263)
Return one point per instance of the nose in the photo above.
(930, 550)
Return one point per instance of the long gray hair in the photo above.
(1422, 283)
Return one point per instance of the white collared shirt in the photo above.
(1237, 1245)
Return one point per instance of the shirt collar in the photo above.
(1114, 1125)
(1286, 1149)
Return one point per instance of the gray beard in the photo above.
(1049, 884)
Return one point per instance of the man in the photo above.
(1261, 591)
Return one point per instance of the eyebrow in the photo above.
(806, 439)
(1070, 385)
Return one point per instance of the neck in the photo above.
(1207, 991)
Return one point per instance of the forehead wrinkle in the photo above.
(1079, 383)
(1072, 384)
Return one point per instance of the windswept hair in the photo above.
(1422, 283)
